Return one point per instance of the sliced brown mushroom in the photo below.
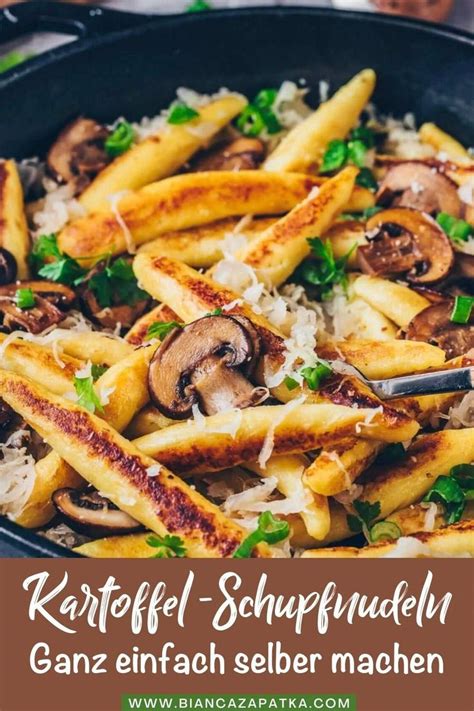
(419, 186)
(241, 154)
(42, 315)
(92, 514)
(79, 151)
(58, 294)
(433, 295)
(110, 316)
(207, 363)
(433, 325)
(405, 241)
(465, 265)
(8, 267)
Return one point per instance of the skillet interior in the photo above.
(421, 68)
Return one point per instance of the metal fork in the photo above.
(436, 382)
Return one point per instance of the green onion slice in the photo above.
(25, 298)
(384, 531)
(357, 153)
(449, 493)
(120, 140)
(462, 309)
(270, 530)
(335, 156)
(181, 113)
(457, 230)
(250, 122)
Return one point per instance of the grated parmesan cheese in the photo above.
(154, 470)
(268, 442)
(229, 421)
(289, 105)
(462, 414)
(84, 372)
(104, 395)
(58, 207)
(430, 515)
(466, 192)
(75, 322)
(250, 497)
(368, 420)
(150, 126)
(323, 88)
(17, 476)
(114, 201)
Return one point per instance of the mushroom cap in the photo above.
(110, 316)
(78, 150)
(193, 353)
(419, 186)
(241, 154)
(92, 514)
(465, 265)
(407, 242)
(34, 320)
(433, 325)
(58, 294)
(8, 267)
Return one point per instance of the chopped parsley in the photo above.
(13, 59)
(25, 298)
(44, 247)
(120, 140)
(160, 329)
(364, 521)
(366, 179)
(51, 263)
(328, 271)
(116, 282)
(215, 312)
(167, 546)
(259, 116)
(199, 6)
(65, 271)
(457, 230)
(270, 530)
(366, 513)
(181, 113)
(86, 395)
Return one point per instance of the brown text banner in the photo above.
(76, 635)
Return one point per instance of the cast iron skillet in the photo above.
(130, 65)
